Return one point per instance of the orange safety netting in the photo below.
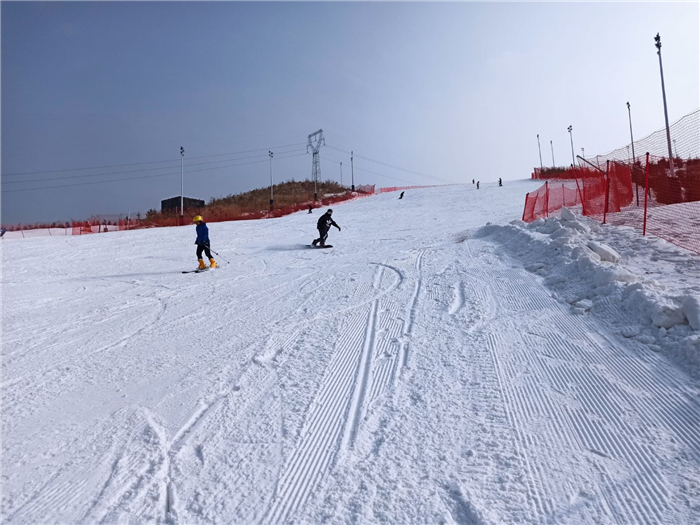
(671, 209)
(96, 225)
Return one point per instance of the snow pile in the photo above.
(575, 257)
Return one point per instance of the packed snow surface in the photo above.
(443, 363)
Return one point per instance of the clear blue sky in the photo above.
(453, 90)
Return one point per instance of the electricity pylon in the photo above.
(316, 140)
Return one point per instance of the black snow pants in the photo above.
(322, 236)
(203, 248)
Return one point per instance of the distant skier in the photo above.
(311, 208)
(202, 242)
(324, 224)
(472, 181)
(477, 185)
(500, 181)
(401, 196)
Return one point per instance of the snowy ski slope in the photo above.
(427, 369)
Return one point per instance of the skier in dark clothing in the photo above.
(401, 196)
(500, 182)
(324, 224)
(477, 185)
(311, 208)
(202, 242)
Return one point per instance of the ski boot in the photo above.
(213, 263)
(202, 266)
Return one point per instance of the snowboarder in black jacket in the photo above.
(324, 224)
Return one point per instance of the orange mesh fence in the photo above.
(685, 144)
(96, 225)
(401, 188)
(671, 209)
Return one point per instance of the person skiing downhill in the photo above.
(324, 224)
(202, 243)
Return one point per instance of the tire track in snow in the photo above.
(592, 375)
(323, 429)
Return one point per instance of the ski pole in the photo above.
(219, 256)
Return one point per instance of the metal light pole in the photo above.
(272, 200)
(629, 111)
(182, 182)
(352, 170)
(540, 150)
(571, 135)
(552, 146)
(657, 38)
(341, 173)
(675, 148)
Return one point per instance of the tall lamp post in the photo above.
(657, 38)
(352, 170)
(629, 111)
(571, 136)
(272, 200)
(552, 146)
(182, 182)
(540, 150)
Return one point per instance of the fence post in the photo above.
(563, 196)
(583, 206)
(546, 199)
(527, 196)
(49, 232)
(21, 230)
(607, 190)
(646, 194)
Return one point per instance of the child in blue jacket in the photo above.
(202, 242)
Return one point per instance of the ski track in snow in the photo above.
(430, 380)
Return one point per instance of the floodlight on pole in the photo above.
(182, 181)
(657, 38)
(571, 135)
(552, 146)
(629, 111)
(540, 150)
(272, 200)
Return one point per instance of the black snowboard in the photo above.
(319, 246)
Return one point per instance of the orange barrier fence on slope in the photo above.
(648, 198)
(95, 225)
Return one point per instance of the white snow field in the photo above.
(429, 368)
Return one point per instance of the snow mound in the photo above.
(576, 258)
(605, 252)
(691, 309)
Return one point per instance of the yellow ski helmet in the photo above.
(197, 218)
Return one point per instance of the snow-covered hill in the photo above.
(430, 368)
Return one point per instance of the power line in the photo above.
(146, 176)
(399, 168)
(131, 171)
(150, 162)
(372, 172)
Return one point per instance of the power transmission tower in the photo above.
(316, 140)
